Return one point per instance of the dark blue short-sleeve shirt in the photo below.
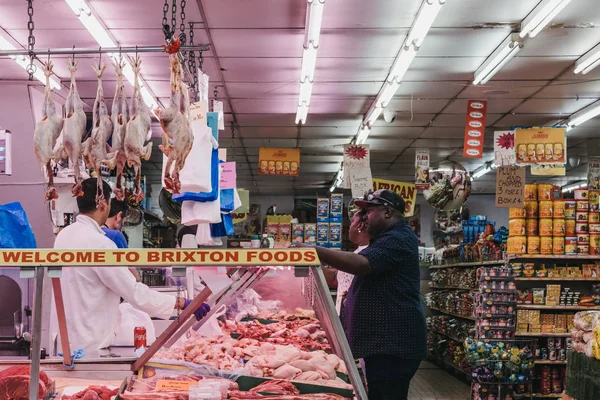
(383, 313)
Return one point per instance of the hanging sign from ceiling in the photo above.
(504, 148)
(422, 169)
(510, 185)
(475, 128)
(549, 170)
(593, 179)
(407, 191)
(357, 169)
(541, 146)
(275, 161)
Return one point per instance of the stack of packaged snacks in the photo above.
(582, 227)
(457, 302)
(495, 319)
(594, 221)
(454, 277)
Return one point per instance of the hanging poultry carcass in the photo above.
(73, 129)
(46, 132)
(120, 117)
(95, 148)
(177, 137)
(135, 135)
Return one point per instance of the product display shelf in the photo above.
(551, 362)
(557, 308)
(534, 334)
(547, 396)
(526, 257)
(243, 278)
(449, 336)
(454, 315)
(453, 288)
(553, 279)
(469, 264)
(457, 368)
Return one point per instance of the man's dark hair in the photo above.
(186, 230)
(117, 206)
(87, 202)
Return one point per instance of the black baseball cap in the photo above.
(383, 197)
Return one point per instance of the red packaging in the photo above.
(139, 337)
(475, 128)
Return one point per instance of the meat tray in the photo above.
(248, 382)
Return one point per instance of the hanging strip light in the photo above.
(578, 185)
(502, 55)
(583, 115)
(312, 34)
(588, 61)
(541, 16)
(484, 169)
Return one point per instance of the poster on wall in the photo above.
(357, 169)
(475, 128)
(510, 187)
(274, 161)
(228, 175)
(549, 170)
(422, 169)
(504, 148)
(541, 146)
(593, 179)
(407, 191)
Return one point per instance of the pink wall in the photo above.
(26, 183)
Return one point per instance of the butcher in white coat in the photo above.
(92, 294)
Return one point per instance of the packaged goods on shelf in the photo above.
(454, 302)
(464, 278)
(503, 361)
(310, 234)
(322, 209)
(495, 303)
(454, 328)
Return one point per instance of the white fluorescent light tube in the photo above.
(24, 62)
(309, 62)
(425, 17)
(588, 61)
(388, 91)
(91, 23)
(541, 16)
(305, 92)
(403, 60)
(314, 18)
(373, 114)
(504, 53)
(301, 114)
(481, 171)
(363, 134)
(582, 116)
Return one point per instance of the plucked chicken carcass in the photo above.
(177, 137)
(47, 131)
(136, 131)
(73, 129)
(95, 147)
(120, 117)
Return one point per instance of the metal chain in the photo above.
(173, 17)
(31, 68)
(201, 61)
(165, 22)
(182, 37)
(192, 65)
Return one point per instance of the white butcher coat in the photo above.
(92, 294)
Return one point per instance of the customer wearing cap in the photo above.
(383, 316)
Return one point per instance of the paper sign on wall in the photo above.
(510, 185)
(407, 191)
(541, 146)
(475, 128)
(361, 181)
(422, 169)
(594, 173)
(356, 156)
(198, 112)
(272, 161)
(549, 170)
(504, 148)
(228, 175)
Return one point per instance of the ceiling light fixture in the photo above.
(502, 55)
(577, 185)
(338, 180)
(363, 134)
(93, 25)
(312, 34)
(588, 61)
(425, 17)
(482, 170)
(541, 16)
(583, 115)
(24, 62)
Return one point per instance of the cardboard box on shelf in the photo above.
(322, 209)
(297, 233)
(322, 232)
(310, 234)
(335, 232)
(336, 208)
(284, 234)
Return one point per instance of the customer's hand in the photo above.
(200, 312)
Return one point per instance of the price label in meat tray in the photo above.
(510, 185)
(165, 385)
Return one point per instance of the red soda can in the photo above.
(139, 337)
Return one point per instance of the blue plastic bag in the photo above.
(227, 198)
(15, 231)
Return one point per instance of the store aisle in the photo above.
(433, 383)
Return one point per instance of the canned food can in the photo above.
(533, 245)
(531, 209)
(544, 353)
(594, 199)
(516, 227)
(594, 218)
(594, 229)
(562, 354)
(559, 209)
(570, 227)
(531, 192)
(582, 206)
(595, 244)
(139, 337)
(570, 208)
(571, 245)
(581, 194)
(582, 228)
(545, 191)
(546, 227)
(558, 227)
(517, 245)
(531, 227)
(558, 245)
(546, 245)
(545, 209)
(582, 216)
(516, 213)
(583, 239)
(583, 249)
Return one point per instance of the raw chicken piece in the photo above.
(334, 360)
(286, 372)
(303, 365)
(268, 361)
(136, 131)
(177, 137)
(47, 131)
(288, 353)
(73, 130)
(323, 365)
(303, 333)
(120, 117)
(308, 376)
(94, 148)
(276, 386)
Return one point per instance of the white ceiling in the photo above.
(255, 59)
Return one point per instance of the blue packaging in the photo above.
(322, 232)
(322, 209)
(335, 232)
(335, 245)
